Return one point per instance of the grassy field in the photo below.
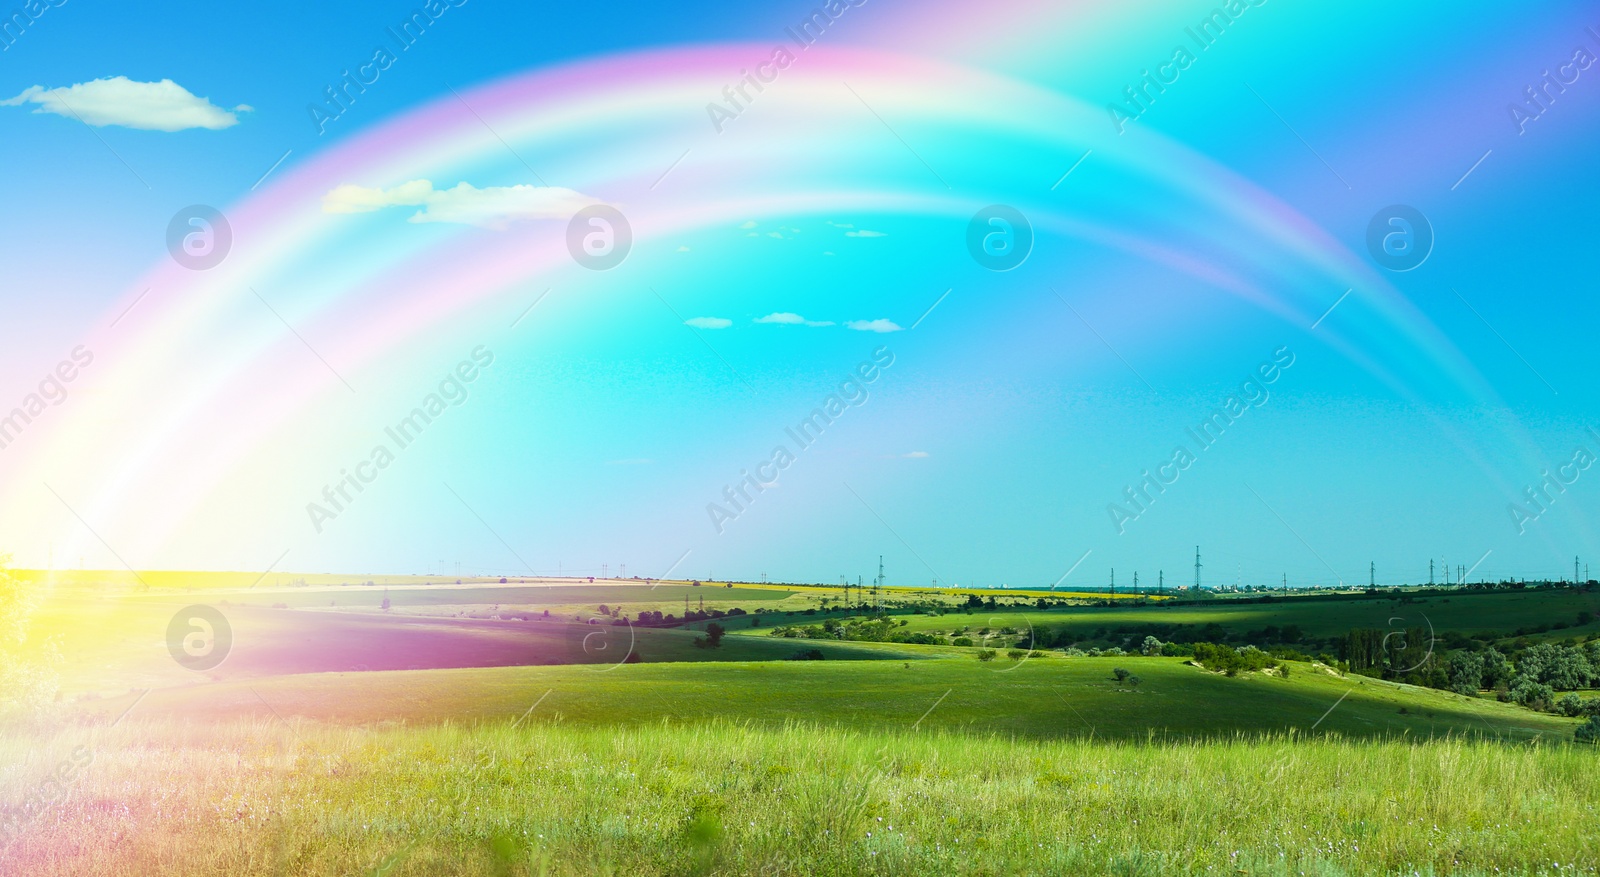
(463, 732)
(1466, 612)
(536, 798)
(1039, 698)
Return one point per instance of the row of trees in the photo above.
(874, 630)
(1531, 676)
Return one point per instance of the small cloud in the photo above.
(827, 252)
(873, 326)
(149, 106)
(749, 223)
(840, 224)
(493, 207)
(708, 322)
(916, 455)
(683, 249)
(636, 461)
(774, 234)
(784, 318)
(865, 234)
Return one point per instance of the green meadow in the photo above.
(549, 797)
(461, 731)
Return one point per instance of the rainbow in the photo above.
(190, 431)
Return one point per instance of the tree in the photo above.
(1588, 732)
(1563, 668)
(1496, 670)
(1465, 672)
(1531, 693)
(1121, 674)
(1151, 646)
(714, 632)
(986, 654)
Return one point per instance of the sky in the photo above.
(700, 292)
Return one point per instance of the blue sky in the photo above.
(1015, 414)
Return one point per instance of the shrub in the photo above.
(1016, 654)
(986, 654)
(1570, 705)
(961, 641)
(1588, 732)
(1151, 646)
(1121, 674)
(1531, 694)
(807, 655)
(1134, 681)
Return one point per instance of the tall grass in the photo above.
(268, 798)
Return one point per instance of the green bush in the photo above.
(1588, 732)
(961, 641)
(986, 654)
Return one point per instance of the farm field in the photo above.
(1467, 612)
(1039, 698)
(443, 735)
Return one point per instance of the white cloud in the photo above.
(683, 249)
(840, 224)
(492, 207)
(916, 455)
(866, 234)
(150, 106)
(708, 322)
(873, 326)
(775, 234)
(749, 223)
(785, 318)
